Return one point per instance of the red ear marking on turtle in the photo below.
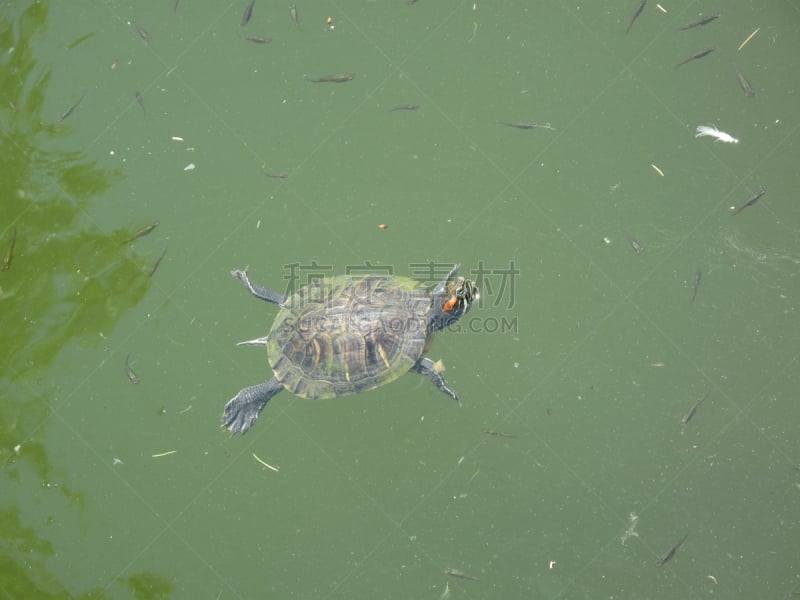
(450, 304)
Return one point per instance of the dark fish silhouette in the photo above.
(10, 251)
(248, 13)
(525, 125)
(158, 262)
(744, 84)
(140, 100)
(670, 554)
(71, 109)
(636, 14)
(696, 283)
(699, 22)
(337, 78)
(142, 232)
(688, 416)
(753, 200)
(701, 54)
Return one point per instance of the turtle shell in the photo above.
(346, 334)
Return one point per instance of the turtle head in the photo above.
(452, 299)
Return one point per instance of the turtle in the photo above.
(346, 334)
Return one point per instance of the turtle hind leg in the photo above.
(257, 290)
(425, 366)
(241, 412)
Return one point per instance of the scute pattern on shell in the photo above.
(348, 334)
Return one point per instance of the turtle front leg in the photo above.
(425, 366)
(257, 290)
(241, 411)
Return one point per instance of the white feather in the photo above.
(719, 136)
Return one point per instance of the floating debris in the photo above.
(633, 521)
(719, 136)
(276, 469)
(748, 38)
(162, 454)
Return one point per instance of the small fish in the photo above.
(669, 554)
(277, 175)
(526, 125)
(143, 34)
(337, 78)
(701, 54)
(134, 378)
(295, 16)
(71, 109)
(498, 433)
(696, 283)
(257, 39)
(175, 6)
(140, 100)
(460, 574)
(248, 13)
(405, 107)
(158, 262)
(720, 136)
(637, 247)
(80, 40)
(9, 251)
(761, 191)
(701, 21)
(688, 416)
(744, 84)
(636, 14)
(142, 232)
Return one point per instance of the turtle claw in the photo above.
(425, 366)
(257, 290)
(262, 341)
(241, 412)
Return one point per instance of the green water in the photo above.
(586, 352)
